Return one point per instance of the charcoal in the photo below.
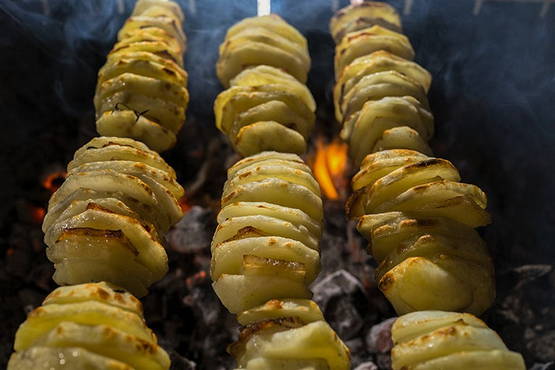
(368, 365)
(193, 232)
(547, 366)
(378, 339)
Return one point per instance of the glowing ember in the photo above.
(195, 279)
(37, 214)
(329, 165)
(54, 180)
(184, 204)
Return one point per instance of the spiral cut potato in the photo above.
(106, 220)
(88, 326)
(419, 219)
(264, 63)
(266, 242)
(141, 91)
(437, 340)
(288, 334)
(380, 93)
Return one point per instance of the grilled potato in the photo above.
(93, 326)
(106, 220)
(288, 334)
(268, 231)
(449, 340)
(141, 91)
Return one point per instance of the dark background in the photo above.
(493, 98)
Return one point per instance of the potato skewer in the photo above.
(264, 64)
(88, 326)
(141, 91)
(418, 216)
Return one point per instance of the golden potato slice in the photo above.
(379, 61)
(295, 216)
(104, 148)
(406, 177)
(264, 225)
(138, 169)
(160, 48)
(479, 360)
(268, 75)
(381, 116)
(142, 85)
(268, 37)
(389, 230)
(227, 257)
(375, 158)
(239, 55)
(242, 292)
(269, 111)
(379, 85)
(303, 309)
(445, 341)
(363, 15)
(45, 358)
(402, 137)
(261, 266)
(262, 363)
(159, 110)
(45, 318)
(128, 124)
(461, 202)
(366, 41)
(261, 171)
(143, 64)
(82, 255)
(102, 292)
(279, 192)
(106, 180)
(152, 34)
(149, 251)
(143, 6)
(261, 136)
(315, 340)
(109, 342)
(288, 159)
(272, 22)
(235, 100)
(415, 324)
(168, 24)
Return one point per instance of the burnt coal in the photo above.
(548, 366)
(193, 233)
(367, 366)
(378, 338)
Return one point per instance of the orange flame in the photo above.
(329, 165)
(37, 214)
(184, 204)
(196, 278)
(54, 180)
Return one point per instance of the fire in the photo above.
(184, 204)
(196, 278)
(329, 165)
(37, 214)
(54, 180)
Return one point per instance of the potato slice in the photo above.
(239, 55)
(271, 22)
(379, 61)
(479, 360)
(109, 342)
(312, 341)
(102, 292)
(303, 309)
(265, 170)
(150, 252)
(239, 292)
(227, 257)
(127, 124)
(279, 192)
(142, 85)
(143, 6)
(261, 266)
(379, 85)
(260, 136)
(461, 202)
(160, 48)
(363, 15)
(159, 110)
(262, 363)
(45, 318)
(415, 324)
(445, 341)
(289, 159)
(45, 358)
(168, 24)
(264, 225)
(295, 216)
(114, 148)
(138, 169)
(402, 137)
(150, 34)
(268, 75)
(376, 158)
(366, 41)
